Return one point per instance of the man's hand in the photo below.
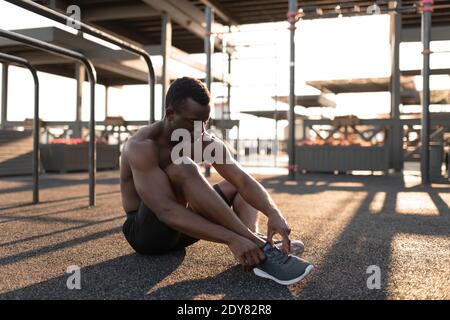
(277, 224)
(246, 252)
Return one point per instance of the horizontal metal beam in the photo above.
(122, 69)
(185, 58)
(118, 32)
(220, 11)
(41, 58)
(130, 11)
(191, 19)
(45, 124)
(122, 62)
(418, 72)
(438, 33)
(188, 16)
(99, 54)
(108, 54)
(435, 119)
(56, 36)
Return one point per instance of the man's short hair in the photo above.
(184, 88)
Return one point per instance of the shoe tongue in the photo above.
(281, 256)
(267, 246)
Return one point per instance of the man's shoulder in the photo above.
(148, 131)
(142, 153)
(144, 139)
(141, 146)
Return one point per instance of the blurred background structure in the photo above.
(349, 98)
(303, 86)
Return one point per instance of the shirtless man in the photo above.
(170, 206)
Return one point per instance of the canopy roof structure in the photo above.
(360, 85)
(114, 67)
(141, 20)
(110, 71)
(197, 26)
(308, 101)
(413, 97)
(271, 114)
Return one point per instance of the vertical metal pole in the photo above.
(208, 51)
(36, 139)
(166, 43)
(291, 144)
(92, 146)
(237, 144)
(208, 45)
(275, 146)
(427, 8)
(229, 87)
(106, 101)
(4, 117)
(303, 129)
(396, 137)
(79, 77)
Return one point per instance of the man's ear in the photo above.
(170, 113)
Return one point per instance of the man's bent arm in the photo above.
(250, 189)
(154, 189)
(255, 194)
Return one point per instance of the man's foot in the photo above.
(297, 246)
(282, 268)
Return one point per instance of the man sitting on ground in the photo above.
(170, 205)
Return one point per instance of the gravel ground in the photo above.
(348, 223)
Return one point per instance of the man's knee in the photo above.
(229, 190)
(184, 171)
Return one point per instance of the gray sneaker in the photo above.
(282, 268)
(297, 246)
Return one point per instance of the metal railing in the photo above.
(24, 63)
(81, 26)
(260, 152)
(92, 80)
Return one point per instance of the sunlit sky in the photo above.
(341, 48)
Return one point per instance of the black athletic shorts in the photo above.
(149, 236)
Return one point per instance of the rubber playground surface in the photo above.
(348, 224)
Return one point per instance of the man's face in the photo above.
(190, 113)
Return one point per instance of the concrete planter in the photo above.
(342, 158)
(66, 158)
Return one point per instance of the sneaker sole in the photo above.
(263, 274)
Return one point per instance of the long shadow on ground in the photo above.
(53, 181)
(231, 284)
(126, 277)
(366, 240)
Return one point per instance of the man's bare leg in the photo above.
(203, 199)
(246, 213)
